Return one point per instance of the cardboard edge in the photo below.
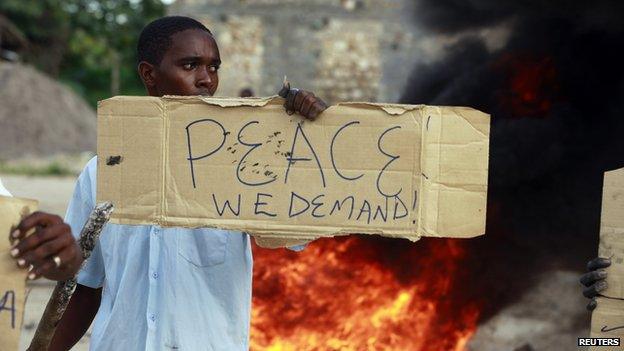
(222, 101)
(391, 109)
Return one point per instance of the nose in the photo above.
(203, 79)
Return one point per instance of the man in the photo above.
(166, 288)
(50, 252)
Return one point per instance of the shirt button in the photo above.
(153, 317)
(155, 275)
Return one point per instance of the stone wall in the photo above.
(343, 50)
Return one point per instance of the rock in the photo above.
(41, 117)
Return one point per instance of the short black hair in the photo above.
(155, 38)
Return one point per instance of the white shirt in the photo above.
(3, 190)
(165, 288)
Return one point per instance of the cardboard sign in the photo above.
(12, 279)
(612, 231)
(608, 322)
(608, 317)
(244, 164)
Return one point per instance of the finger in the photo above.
(590, 278)
(31, 273)
(46, 251)
(290, 100)
(307, 104)
(24, 249)
(592, 304)
(301, 96)
(288, 111)
(598, 262)
(595, 289)
(321, 104)
(36, 219)
(48, 267)
(285, 88)
(313, 114)
(43, 269)
(316, 110)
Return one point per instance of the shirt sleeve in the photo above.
(298, 248)
(78, 211)
(3, 190)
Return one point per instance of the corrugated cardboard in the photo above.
(608, 317)
(12, 279)
(395, 170)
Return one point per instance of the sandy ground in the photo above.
(53, 194)
(550, 316)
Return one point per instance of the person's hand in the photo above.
(594, 280)
(301, 101)
(51, 251)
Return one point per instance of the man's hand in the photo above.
(594, 280)
(51, 251)
(301, 101)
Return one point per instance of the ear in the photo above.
(147, 73)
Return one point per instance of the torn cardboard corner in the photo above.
(244, 164)
(12, 279)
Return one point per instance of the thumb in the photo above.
(285, 88)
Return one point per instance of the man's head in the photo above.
(178, 56)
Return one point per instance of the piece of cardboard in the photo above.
(612, 232)
(12, 279)
(608, 322)
(395, 170)
(608, 317)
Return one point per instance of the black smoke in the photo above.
(555, 91)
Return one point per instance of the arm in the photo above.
(80, 312)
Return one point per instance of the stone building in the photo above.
(343, 50)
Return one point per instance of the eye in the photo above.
(189, 66)
(213, 69)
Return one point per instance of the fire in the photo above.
(361, 293)
(532, 84)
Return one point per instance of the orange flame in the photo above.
(351, 294)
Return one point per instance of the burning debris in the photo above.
(555, 92)
(347, 294)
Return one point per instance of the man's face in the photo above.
(189, 67)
